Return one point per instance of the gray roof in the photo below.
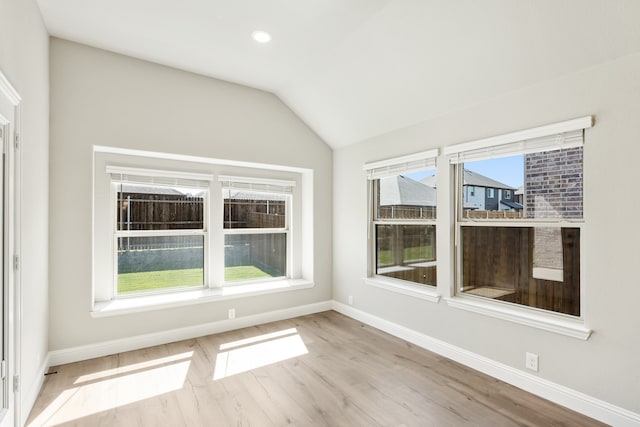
(430, 181)
(512, 204)
(478, 180)
(471, 178)
(403, 191)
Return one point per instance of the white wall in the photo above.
(605, 366)
(24, 48)
(101, 98)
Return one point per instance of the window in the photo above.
(472, 190)
(507, 194)
(256, 228)
(403, 218)
(490, 194)
(526, 254)
(166, 233)
(160, 230)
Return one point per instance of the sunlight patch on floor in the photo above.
(251, 353)
(133, 367)
(124, 387)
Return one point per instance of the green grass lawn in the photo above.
(415, 253)
(156, 280)
(243, 272)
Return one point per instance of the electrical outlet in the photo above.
(350, 299)
(232, 313)
(531, 361)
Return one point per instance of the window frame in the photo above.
(286, 230)
(394, 167)
(300, 259)
(569, 325)
(491, 193)
(160, 179)
(160, 233)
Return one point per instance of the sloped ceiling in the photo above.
(353, 69)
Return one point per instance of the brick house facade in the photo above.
(553, 184)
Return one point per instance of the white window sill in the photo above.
(177, 299)
(574, 328)
(425, 292)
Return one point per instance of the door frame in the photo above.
(12, 229)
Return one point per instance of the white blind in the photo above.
(545, 143)
(400, 165)
(562, 135)
(127, 175)
(261, 185)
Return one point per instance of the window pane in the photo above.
(539, 185)
(146, 207)
(254, 256)
(160, 262)
(251, 209)
(406, 252)
(499, 263)
(409, 196)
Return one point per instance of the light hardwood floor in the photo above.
(319, 370)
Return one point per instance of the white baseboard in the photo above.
(572, 399)
(85, 352)
(29, 396)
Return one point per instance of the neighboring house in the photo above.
(519, 195)
(554, 188)
(403, 197)
(483, 193)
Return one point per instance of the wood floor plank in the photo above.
(318, 370)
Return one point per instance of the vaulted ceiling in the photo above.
(353, 69)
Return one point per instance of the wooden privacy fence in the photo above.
(474, 214)
(143, 211)
(502, 258)
(240, 213)
(407, 212)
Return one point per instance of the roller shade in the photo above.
(401, 165)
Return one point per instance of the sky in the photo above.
(507, 170)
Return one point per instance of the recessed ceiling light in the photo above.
(261, 36)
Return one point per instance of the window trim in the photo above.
(523, 315)
(425, 292)
(573, 326)
(186, 297)
(392, 167)
(103, 302)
